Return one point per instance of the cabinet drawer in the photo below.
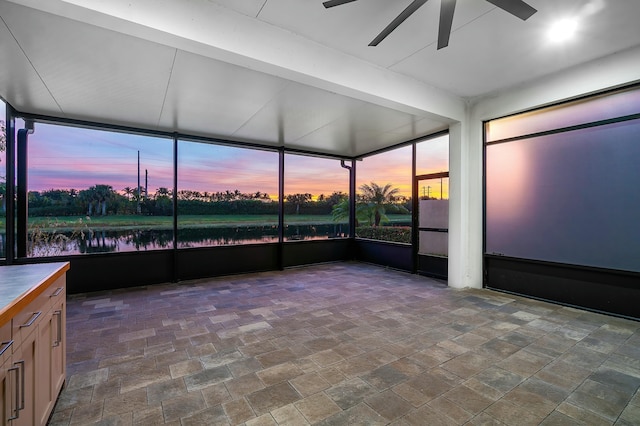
(26, 321)
(5, 331)
(56, 292)
(6, 344)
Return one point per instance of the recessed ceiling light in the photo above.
(563, 30)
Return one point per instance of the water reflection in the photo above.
(315, 232)
(109, 241)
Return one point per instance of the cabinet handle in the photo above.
(33, 319)
(58, 339)
(21, 407)
(17, 407)
(6, 345)
(57, 292)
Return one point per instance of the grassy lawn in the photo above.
(122, 222)
(398, 218)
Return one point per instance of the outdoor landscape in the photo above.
(102, 219)
(96, 191)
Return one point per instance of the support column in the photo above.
(465, 207)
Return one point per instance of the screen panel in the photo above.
(316, 198)
(226, 195)
(92, 191)
(383, 199)
(432, 155)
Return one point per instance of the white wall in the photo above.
(464, 269)
(465, 217)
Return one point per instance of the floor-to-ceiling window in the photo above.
(316, 200)
(383, 200)
(226, 195)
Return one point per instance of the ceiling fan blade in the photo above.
(447, 7)
(415, 5)
(515, 7)
(331, 3)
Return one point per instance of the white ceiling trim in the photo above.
(219, 33)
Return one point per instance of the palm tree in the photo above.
(128, 192)
(298, 200)
(340, 212)
(378, 199)
(103, 193)
(163, 192)
(98, 195)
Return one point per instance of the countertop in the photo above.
(20, 284)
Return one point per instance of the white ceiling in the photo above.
(285, 72)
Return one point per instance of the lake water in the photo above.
(111, 241)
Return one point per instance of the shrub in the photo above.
(398, 234)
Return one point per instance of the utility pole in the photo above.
(146, 183)
(138, 210)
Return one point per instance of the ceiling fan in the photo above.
(515, 7)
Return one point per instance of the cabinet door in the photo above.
(6, 406)
(24, 358)
(44, 397)
(8, 378)
(59, 345)
(5, 400)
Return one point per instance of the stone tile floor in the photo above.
(342, 344)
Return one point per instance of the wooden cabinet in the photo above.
(7, 374)
(59, 339)
(51, 348)
(24, 358)
(33, 347)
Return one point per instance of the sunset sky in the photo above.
(64, 158)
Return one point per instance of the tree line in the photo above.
(103, 200)
(373, 203)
